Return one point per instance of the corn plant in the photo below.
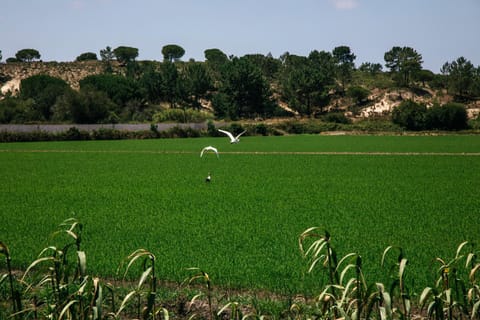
(398, 285)
(61, 289)
(456, 293)
(378, 302)
(342, 296)
(320, 250)
(149, 310)
(202, 276)
(14, 293)
(233, 309)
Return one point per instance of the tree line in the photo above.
(247, 87)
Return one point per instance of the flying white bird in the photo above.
(209, 148)
(230, 135)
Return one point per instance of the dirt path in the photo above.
(361, 153)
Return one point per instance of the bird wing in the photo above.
(238, 136)
(209, 148)
(228, 134)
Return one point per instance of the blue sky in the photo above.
(440, 30)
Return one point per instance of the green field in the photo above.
(369, 192)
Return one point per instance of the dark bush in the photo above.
(261, 129)
(211, 130)
(235, 128)
(179, 132)
(450, 116)
(358, 94)
(410, 115)
(336, 117)
(108, 134)
(74, 133)
(44, 91)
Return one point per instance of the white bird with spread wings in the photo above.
(230, 135)
(209, 148)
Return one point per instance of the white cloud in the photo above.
(345, 4)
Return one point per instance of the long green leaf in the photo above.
(144, 276)
(82, 263)
(459, 249)
(424, 296)
(34, 263)
(125, 302)
(66, 309)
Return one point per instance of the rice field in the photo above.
(369, 192)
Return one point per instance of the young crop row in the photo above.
(293, 143)
(57, 286)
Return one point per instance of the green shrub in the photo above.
(336, 117)
(182, 116)
(179, 132)
(261, 129)
(74, 133)
(358, 94)
(108, 134)
(410, 115)
(450, 116)
(44, 90)
(211, 130)
(308, 127)
(376, 125)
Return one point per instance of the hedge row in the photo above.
(312, 126)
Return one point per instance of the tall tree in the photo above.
(244, 92)
(214, 60)
(125, 54)
(172, 87)
(461, 76)
(344, 63)
(107, 57)
(44, 91)
(172, 52)
(197, 83)
(404, 63)
(87, 105)
(215, 56)
(121, 90)
(267, 64)
(372, 68)
(27, 55)
(424, 76)
(306, 81)
(151, 82)
(107, 54)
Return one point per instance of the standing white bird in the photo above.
(230, 135)
(209, 148)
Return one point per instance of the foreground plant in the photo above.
(56, 284)
(456, 293)
(202, 277)
(14, 294)
(348, 294)
(343, 296)
(149, 310)
(398, 287)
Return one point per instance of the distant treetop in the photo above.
(172, 52)
(27, 55)
(87, 56)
